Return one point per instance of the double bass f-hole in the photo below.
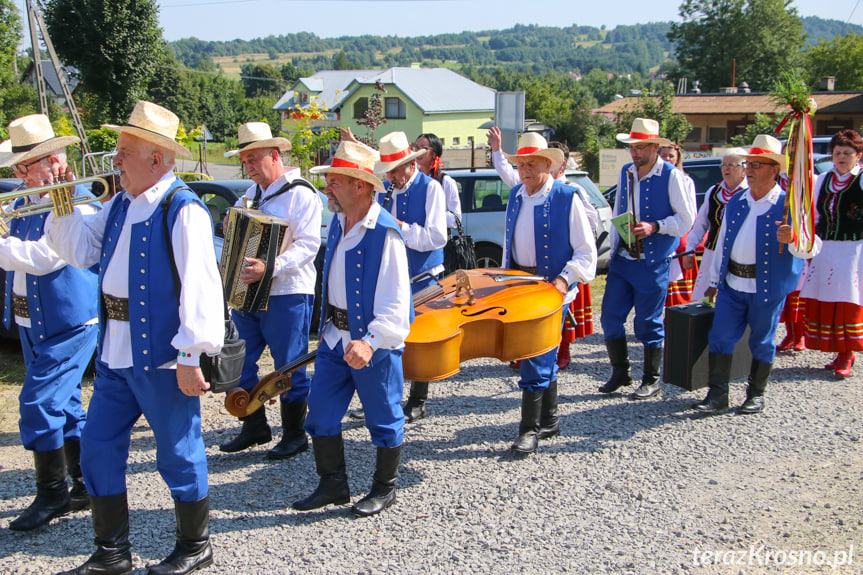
(500, 311)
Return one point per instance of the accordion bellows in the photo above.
(250, 234)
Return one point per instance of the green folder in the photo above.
(622, 224)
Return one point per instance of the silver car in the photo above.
(483, 204)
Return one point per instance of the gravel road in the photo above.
(628, 487)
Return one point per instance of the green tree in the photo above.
(841, 57)
(341, 62)
(307, 141)
(758, 38)
(262, 80)
(116, 44)
(15, 99)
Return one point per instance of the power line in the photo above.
(221, 73)
(198, 4)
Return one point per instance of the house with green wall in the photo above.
(416, 101)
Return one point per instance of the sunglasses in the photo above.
(22, 168)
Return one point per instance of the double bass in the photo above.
(489, 312)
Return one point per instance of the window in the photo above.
(302, 97)
(395, 108)
(716, 135)
(360, 107)
(489, 195)
(456, 141)
(694, 135)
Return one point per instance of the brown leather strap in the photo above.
(339, 317)
(116, 307)
(530, 270)
(746, 271)
(19, 306)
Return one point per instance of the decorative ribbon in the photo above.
(396, 156)
(526, 151)
(340, 163)
(643, 136)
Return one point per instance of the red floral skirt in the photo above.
(833, 326)
(582, 312)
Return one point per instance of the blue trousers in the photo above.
(50, 399)
(537, 372)
(284, 327)
(119, 399)
(734, 311)
(637, 284)
(379, 386)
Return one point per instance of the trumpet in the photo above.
(63, 198)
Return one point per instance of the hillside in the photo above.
(576, 49)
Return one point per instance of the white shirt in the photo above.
(433, 235)
(510, 177)
(78, 239)
(33, 257)
(702, 225)
(681, 195)
(745, 244)
(453, 202)
(300, 208)
(392, 298)
(582, 266)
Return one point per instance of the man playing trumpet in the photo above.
(55, 308)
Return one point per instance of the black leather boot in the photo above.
(650, 380)
(383, 492)
(415, 408)
(618, 354)
(294, 440)
(528, 429)
(549, 424)
(192, 550)
(52, 492)
(113, 554)
(255, 431)
(719, 374)
(333, 485)
(78, 496)
(759, 373)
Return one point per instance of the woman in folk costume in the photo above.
(832, 294)
(680, 279)
(710, 215)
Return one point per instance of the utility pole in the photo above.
(35, 18)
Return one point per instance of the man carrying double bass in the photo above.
(548, 234)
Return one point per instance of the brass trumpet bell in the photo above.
(63, 198)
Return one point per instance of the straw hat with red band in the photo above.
(256, 135)
(395, 151)
(354, 160)
(154, 124)
(31, 137)
(644, 131)
(533, 145)
(765, 147)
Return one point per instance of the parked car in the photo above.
(483, 204)
(706, 172)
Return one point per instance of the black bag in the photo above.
(459, 252)
(224, 370)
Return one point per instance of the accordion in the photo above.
(250, 234)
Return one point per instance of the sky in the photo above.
(248, 19)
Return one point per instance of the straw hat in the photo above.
(395, 151)
(154, 124)
(644, 131)
(256, 135)
(31, 137)
(355, 160)
(766, 148)
(533, 145)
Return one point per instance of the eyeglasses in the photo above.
(757, 165)
(22, 168)
(725, 165)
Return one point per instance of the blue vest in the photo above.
(154, 310)
(654, 205)
(59, 301)
(362, 265)
(775, 275)
(550, 229)
(411, 209)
